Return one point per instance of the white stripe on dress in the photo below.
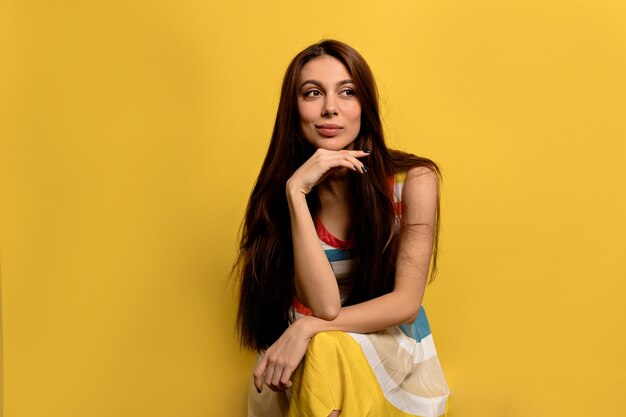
(397, 191)
(420, 351)
(342, 267)
(399, 398)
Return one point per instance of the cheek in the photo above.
(306, 113)
(355, 115)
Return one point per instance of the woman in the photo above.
(338, 240)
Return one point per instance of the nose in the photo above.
(329, 107)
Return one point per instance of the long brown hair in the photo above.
(265, 263)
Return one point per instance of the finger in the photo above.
(323, 154)
(276, 376)
(285, 379)
(358, 164)
(269, 372)
(258, 373)
(348, 164)
(357, 153)
(340, 159)
(345, 152)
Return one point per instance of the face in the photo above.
(330, 112)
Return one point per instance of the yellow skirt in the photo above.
(386, 373)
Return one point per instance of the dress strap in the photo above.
(396, 183)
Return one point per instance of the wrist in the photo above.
(311, 325)
(293, 191)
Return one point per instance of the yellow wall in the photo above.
(132, 133)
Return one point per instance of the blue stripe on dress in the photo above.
(338, 254)
(419, 329)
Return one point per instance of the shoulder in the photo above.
(416, 177)
(415, 173)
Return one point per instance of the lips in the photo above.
(329, 130)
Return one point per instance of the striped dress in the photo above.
(394, 372)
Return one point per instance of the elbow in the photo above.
(328, 312)
(410, 320)
(408, 306)
(411, 315)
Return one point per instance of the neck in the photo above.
(336, 197)
(337, 186)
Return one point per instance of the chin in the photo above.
(332, 147)
(334, 144)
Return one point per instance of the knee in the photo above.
(324, 341)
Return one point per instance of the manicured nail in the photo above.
(365, 168)
(354, 168)
(366, 150)
(258, 390)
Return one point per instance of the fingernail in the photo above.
(366, 150)
(365, 169)
(258, 390)
(354, 168)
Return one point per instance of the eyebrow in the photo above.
(319, 83)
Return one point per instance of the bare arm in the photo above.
(400, 306)
(316, 285)
(403, 303)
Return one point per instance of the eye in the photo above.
(313, 93)
(348, 92)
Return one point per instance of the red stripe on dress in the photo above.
(301, 308)
(391, 183)
(397, 204)
(331, 240)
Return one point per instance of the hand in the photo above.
(283, 357)
(322, 163)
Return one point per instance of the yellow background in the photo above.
(131, 135)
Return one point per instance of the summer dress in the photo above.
(394, 372)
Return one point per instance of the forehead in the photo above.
(324, 68)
